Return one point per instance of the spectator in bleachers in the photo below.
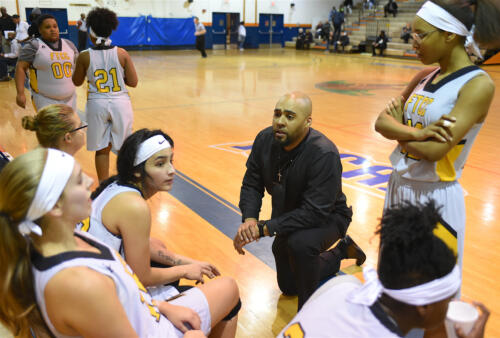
(326, 33)
(391, 7)
(348, 6)
(338, 21)
(406, 33)
(299, 44)
(318, 29)
(57, 126)
(309, 39)
(21, 29)
(368, 4)
(9, 59)
(343, 41)
(380, 43)
(332, 14)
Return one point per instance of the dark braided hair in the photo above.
(410, 253)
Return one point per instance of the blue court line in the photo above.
(220, 213)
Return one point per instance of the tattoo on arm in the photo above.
(168, 259)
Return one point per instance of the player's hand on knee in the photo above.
(209, 270)
(184, 318)
(194, 334)
(479, 326)
(21, 100)
(195, 271)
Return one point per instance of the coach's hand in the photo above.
(246, 231)
(21, 100)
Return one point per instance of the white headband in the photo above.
(149, 147)
(427, 293)
(99, 39)
(440, 18)
(58, 168)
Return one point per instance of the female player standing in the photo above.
(442, 110)
(108, 70)
(50, 61)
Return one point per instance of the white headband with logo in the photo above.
(427, 293)
(440, 18)
(149, 147)
(99, 39)
(58, 168)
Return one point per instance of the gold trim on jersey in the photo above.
(294, 331)
(448, 235)
(85, 224)
(445, 167)
(33, 80)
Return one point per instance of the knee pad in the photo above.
(234, 311)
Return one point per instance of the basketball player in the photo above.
(54, 279)
(57, 126)
(144, 168)
(440, 113)
(50, 61)
(109, 69)
(417, 278)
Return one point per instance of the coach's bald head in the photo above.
(292, 119)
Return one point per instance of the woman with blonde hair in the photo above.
(57, 126)
(64, 283)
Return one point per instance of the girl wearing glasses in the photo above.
(58, 282)
(440, 113)
(57, 126)
(109, 70)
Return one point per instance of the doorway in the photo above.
(225, 30)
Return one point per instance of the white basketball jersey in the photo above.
(332, 316)
(144, 317)
(105, 74)
(426, 105)
(52, 70)
(95, 226)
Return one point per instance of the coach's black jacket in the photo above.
(305, 184)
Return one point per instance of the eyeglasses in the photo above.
(78, 128)
(419, 37)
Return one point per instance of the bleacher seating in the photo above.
(362, 25)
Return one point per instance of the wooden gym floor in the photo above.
(213, 108)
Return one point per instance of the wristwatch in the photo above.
(261, 225)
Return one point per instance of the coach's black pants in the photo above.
(200, 44)
(302, 260)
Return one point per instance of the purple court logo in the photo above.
(356, 89)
